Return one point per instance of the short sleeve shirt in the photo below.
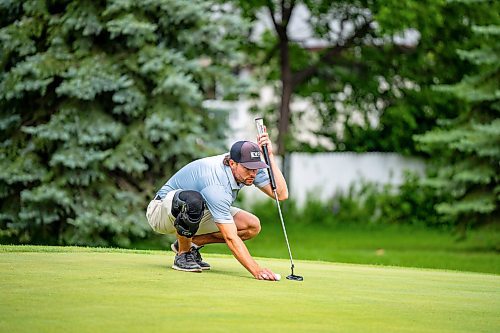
(214, 181)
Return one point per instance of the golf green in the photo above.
(59, 289)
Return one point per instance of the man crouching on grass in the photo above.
(196, 205)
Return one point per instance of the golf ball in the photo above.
(277, 276)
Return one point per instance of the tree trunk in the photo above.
(289, 80)
(287, 84)
(284, 118)
(286, 95)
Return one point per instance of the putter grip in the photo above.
(259, 122)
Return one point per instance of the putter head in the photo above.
(295, 277)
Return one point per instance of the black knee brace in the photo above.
(187, 208)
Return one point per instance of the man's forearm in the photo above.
(281, 186)
(240, 252)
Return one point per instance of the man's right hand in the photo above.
(240, 252)
(265, 274)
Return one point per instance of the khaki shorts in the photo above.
(160, 217)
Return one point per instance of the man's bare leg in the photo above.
(184, 243)
(248, 226)
(184, 261)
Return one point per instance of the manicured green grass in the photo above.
(405, 246)
(52, 289)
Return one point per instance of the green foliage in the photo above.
(408, 204)
(375, 93)
(366, 204)
(466, 149)
(100, 102)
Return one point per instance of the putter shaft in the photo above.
(261, 129)
(284, 229)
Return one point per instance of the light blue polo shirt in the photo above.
(214, 181)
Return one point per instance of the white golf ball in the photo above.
(277, 277)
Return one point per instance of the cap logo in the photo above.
(248, 154)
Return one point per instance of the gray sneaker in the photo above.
(196, 254)
(185, 262)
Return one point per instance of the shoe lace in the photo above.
(196, 254)
(189, 257)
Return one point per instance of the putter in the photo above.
(260, 129)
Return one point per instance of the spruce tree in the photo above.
(466, 150)
(101, 101)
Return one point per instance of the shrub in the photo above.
(410, 203)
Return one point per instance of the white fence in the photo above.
(324, 174)
(319, 174)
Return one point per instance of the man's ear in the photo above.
(232, 163)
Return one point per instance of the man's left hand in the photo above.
(264, 140)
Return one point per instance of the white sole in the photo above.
(194, 270)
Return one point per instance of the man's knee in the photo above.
(256, 225)
(248, 225)
(187, 208)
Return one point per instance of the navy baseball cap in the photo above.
(248, 154)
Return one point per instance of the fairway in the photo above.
(51, 289)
